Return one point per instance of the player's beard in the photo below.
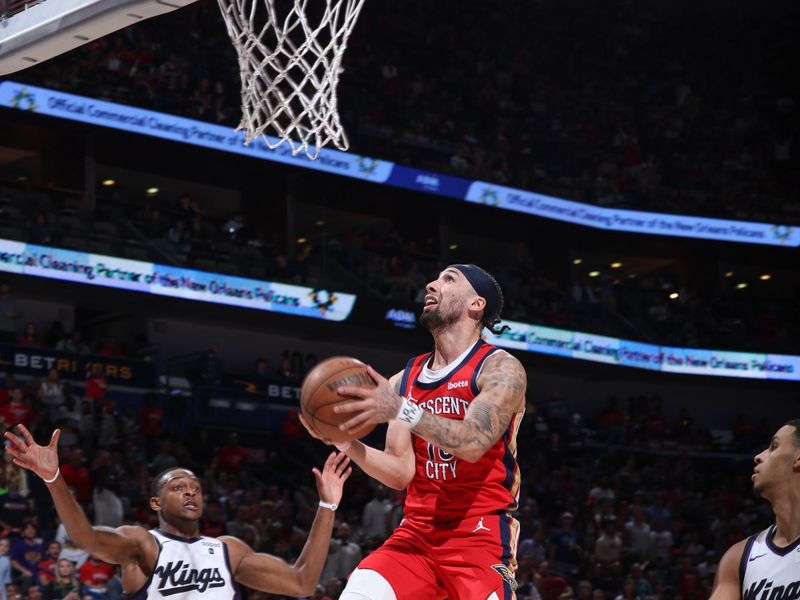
(439, 320)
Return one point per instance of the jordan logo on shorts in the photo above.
(480, 526)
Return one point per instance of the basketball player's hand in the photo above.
(42, 460)
(370, 405)
(331, 480)
(313, 432)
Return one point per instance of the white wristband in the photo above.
(343, 446)
(329, 505)
(58, 472)
(409, 413)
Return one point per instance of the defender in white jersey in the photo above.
(174, 561)
(766, 566)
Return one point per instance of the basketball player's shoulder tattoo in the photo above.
(502, 385)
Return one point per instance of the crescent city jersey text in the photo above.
(445, 488)
(189, 569)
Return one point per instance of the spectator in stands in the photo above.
(343, 555)
(237, 525)
(96, 383)
(165, 458)
(550, 584)
(70, 551)
(156, 224)
(13, 506)
(18, 410)
(73, 344)
(51, 394)
(151, 419)
(68, 417)
(16, 477)
(213, 523)
(5, 566)
(566, 552)
(47, 567)
(95, 576)
(110, 346)
(287, 369)
(232, 457)
(188, 211)
(608, 547)
(374, 521)
(30, 337)
(641, 535)
(65, 586)
(108, 506)
(262, 368)
(26, 555)
(39, 230)
(9, 383)
(9, 314)
(235, 228)
(77, 475)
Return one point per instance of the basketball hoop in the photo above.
(290, 65)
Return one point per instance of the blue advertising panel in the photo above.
(613, 351)
(175, 282)
(217, 137)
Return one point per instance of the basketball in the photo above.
(318, 396)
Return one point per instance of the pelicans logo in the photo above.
(490, 197)
(24, 100)
(323, 300)
(366, 165)
(782, 233)
(507, 574)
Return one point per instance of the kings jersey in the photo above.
(189, 569)
(446, 488)
(767, 571)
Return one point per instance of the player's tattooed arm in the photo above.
(502, 385)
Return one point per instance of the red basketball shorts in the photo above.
(462, 560)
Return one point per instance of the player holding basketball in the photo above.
(767, 565)
(174, 561)
(453, 417)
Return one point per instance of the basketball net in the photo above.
(290, 65)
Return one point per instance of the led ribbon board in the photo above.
(175, 282)
(687, 361)
(217, 137)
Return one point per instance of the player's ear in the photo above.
(478, 303)
(155, 503)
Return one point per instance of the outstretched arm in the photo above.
(269, 573)
(726, 581)
(502, 384)
(115, 546)
(394, 465)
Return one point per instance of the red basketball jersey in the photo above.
(445, 488)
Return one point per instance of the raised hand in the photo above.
(42, 460)
(331, 480)
(311, 431)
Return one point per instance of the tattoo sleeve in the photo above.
(502, 386)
